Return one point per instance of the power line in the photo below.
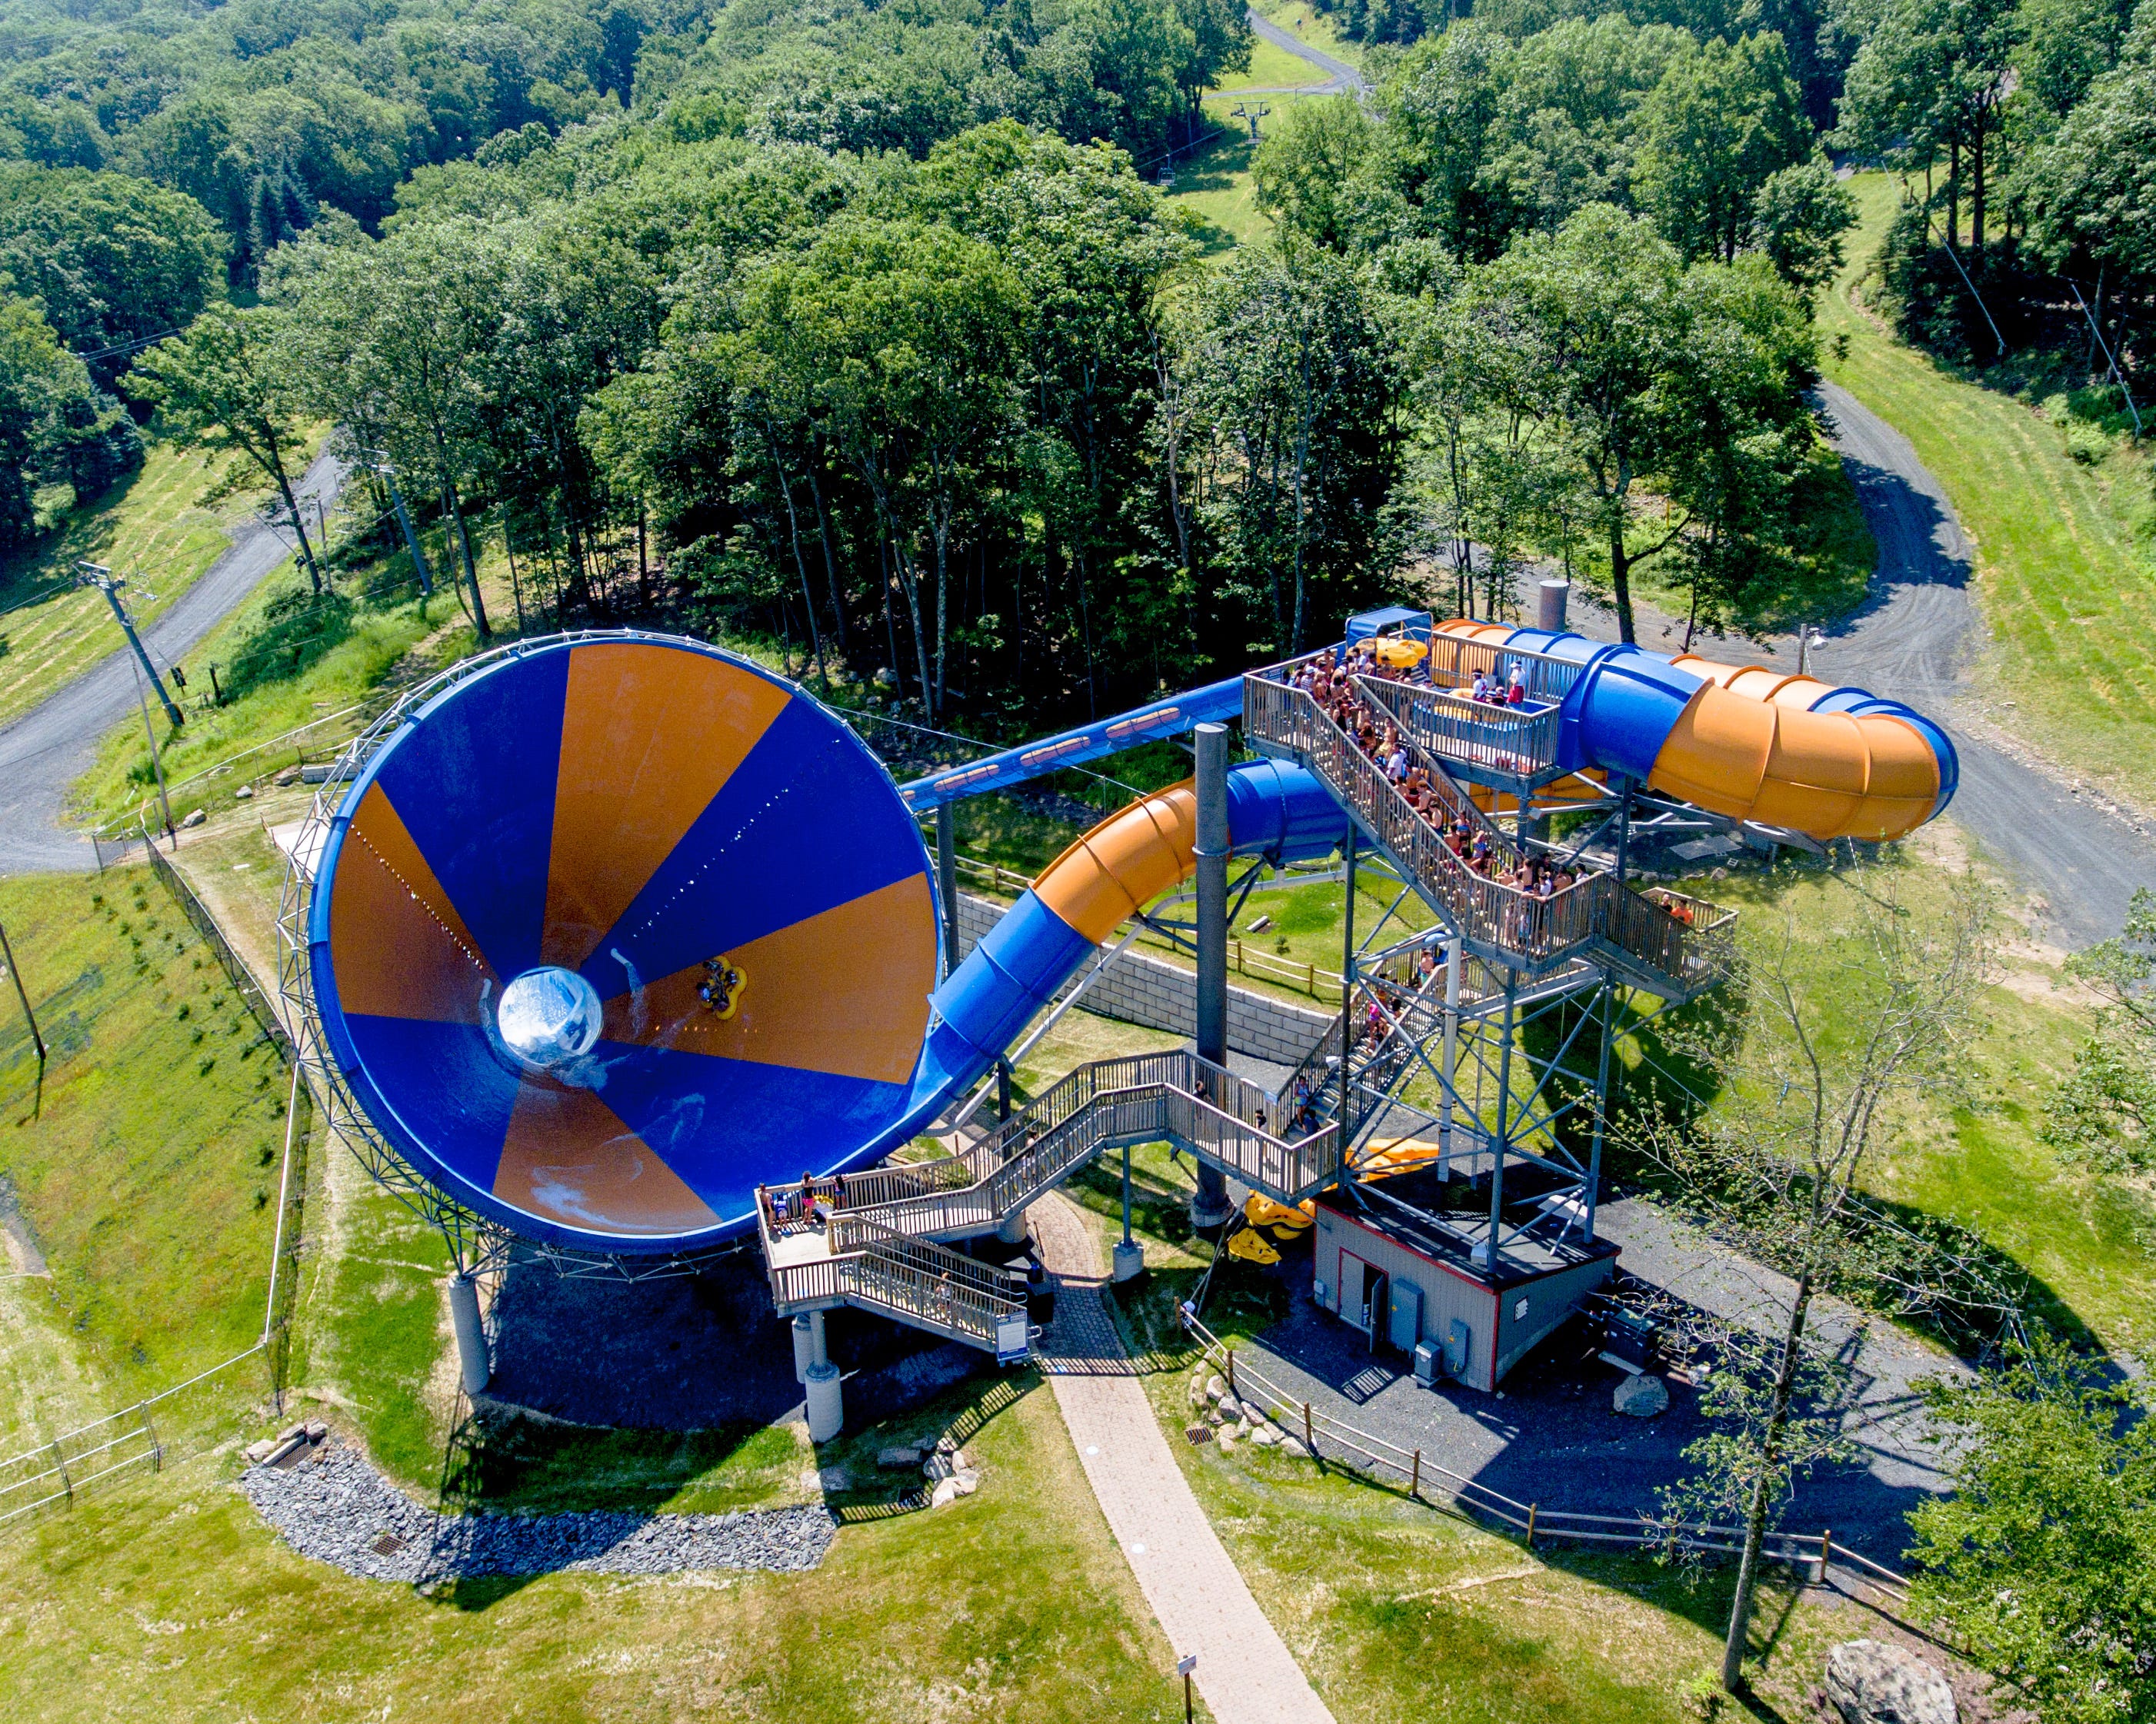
(127, 346)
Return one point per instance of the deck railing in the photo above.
(1684, 940)
(1518, 742)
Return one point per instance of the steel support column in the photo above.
(1209, 1206)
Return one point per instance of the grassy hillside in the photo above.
(2061, 517)
(146, 1170)
(172, 1598)
(149, 530)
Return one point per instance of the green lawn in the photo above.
(171, 1598)
(2082, 1237)
(149, 530)
(148, 1167)
(1398, 1611)
(1215, 184)
(1273, 68)
(310, 668)
(2062, 552)
(1320, 30)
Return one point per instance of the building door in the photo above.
(1352, 1269)
(1375, 1281)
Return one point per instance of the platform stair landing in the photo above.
(1671, 945)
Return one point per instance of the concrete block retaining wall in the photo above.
(1140, 988)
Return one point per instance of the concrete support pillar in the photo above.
(1549, 605)
(804, 1348)
(1209, 1207)
(470, 1331)
(827, 1410)
(946, 881)
(1012, 1229)
(827, 1404)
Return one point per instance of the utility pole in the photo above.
(156, 763)
(1807, 638)
(22, 993)
(377, 460)
(95, 574)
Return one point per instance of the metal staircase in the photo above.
(874, 1240)
(1671, 946)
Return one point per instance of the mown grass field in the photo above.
(288, 663)
(149, 530)
(2063, 546)
(2083, 1238)
(1320, 30)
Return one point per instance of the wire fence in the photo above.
(235, 967)
(1428, 1480)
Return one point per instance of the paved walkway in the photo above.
(1244, 1669)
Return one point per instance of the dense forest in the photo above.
(867, 329)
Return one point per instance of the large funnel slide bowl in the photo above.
(612, 930)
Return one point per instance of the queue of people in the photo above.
(1537, 880)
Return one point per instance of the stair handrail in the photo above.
(1506, 739)
(1541, 930)
(1601, 909)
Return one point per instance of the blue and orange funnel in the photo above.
(613, 930)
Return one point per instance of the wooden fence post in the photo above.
(1414, 1478)
(1232, 1389)
(1531, 1507)
(1309, 1432)
(1826, 1553)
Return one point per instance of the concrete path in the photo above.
(1244, 1669)
(55, 742)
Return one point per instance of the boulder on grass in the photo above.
(1874, 1682)
(1641, 1397)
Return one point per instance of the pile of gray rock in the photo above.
(950, 1472)
(1877, 1682)
(1224, 1419)
(333, 1506)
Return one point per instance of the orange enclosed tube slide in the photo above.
(1742, 742)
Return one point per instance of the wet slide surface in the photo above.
(49, 746)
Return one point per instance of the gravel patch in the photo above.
(337, 1509)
